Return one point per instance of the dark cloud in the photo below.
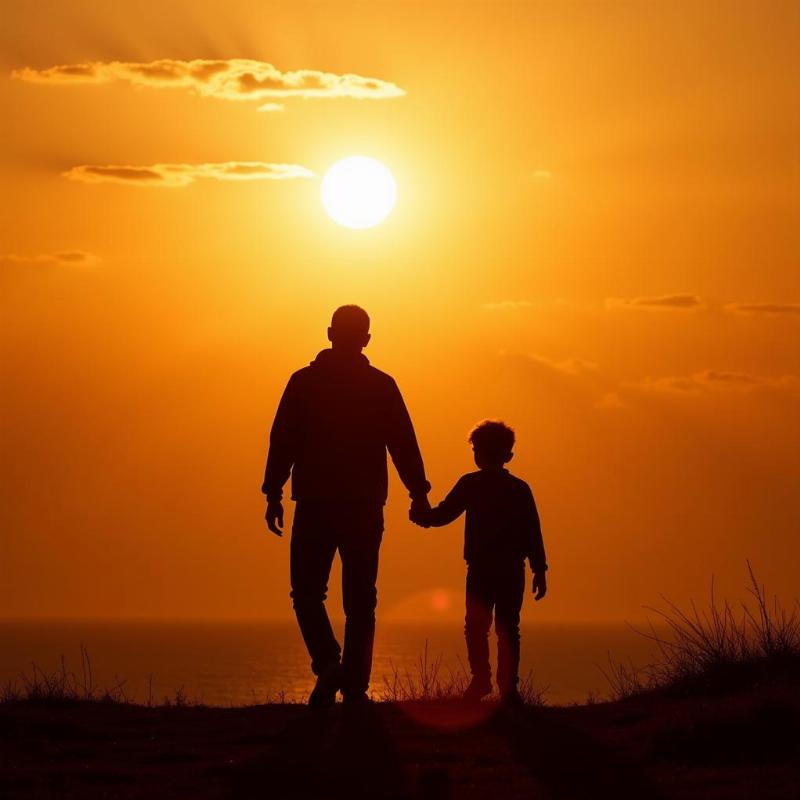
(710, 380)
(667, 302)
(97, 174)
(789, 309)
(79, 258)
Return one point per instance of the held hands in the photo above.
(539, 585)
(420, 511)
(274, 516)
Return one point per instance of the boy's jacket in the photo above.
(502, 522)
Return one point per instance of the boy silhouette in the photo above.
(502, 529)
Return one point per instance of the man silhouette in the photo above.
(334, 424)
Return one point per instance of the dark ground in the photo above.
(747, 746)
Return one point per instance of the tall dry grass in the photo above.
(429, 680)
(716, 649)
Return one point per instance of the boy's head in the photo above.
(492, 442)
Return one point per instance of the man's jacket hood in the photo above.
(331, 359)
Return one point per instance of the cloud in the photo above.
(78, 258)
(610, 400)
(226, 79)
(789, 309)
(271, 108)
(569, 366)
(667, 302)
(716, 380)
(183, 174)
(540, 304)
(575, 379)
(508, 305)
(570, 381)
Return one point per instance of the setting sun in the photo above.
(358, 192)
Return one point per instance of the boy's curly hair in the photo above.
(492, 437)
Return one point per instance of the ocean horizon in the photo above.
(242, 662)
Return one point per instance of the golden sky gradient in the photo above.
(596, 240)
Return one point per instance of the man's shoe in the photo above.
(512, 699)
(476, 690)
(359, 700)
(329, 682)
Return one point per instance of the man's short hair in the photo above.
(350, 320)
(492, 437)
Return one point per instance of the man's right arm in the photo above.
(282, 444)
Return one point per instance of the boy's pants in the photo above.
(498, 588)
(318, 531)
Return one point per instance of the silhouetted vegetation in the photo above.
(62, 685)
(430, 681)
(716, 649)
(65, 686)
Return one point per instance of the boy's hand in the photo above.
(274, 516)
(539, 585)
(419, 512)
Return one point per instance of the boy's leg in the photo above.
(476, 625)
(360, 535)
(312, 550)
(510, 590)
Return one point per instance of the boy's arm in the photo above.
(535, 553)
(536, 549)
(451, 508)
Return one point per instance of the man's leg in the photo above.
(477, 622)
(312, 550)
(359, 544)
(510, 590)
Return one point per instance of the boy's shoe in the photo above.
(329, 682)
(476, 690)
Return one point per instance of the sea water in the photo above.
(236, 663)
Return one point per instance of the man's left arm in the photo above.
(401, 441)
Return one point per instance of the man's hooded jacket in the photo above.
(336, 420)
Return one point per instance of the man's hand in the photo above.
(274, 516)
(419, 511)
(539, 585)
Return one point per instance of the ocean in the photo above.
(238, 663)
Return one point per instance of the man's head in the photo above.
(349, 328)
(492, 444)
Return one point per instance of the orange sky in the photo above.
(596, 239)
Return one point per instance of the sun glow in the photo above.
(358, 192)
